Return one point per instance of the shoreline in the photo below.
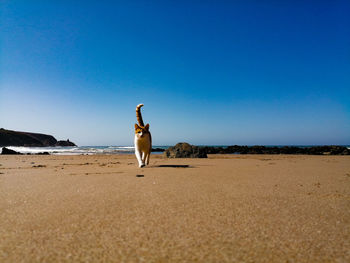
(235, 149)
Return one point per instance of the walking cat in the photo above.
(143, 139)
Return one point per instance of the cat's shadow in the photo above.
(173, 166)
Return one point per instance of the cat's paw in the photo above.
(142, 165)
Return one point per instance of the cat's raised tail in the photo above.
(139, 116)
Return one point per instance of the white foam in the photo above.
(74, 150)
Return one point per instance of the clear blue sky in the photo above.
(208, 72)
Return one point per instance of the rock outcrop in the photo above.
(312, 150)
(18, 138)
(65, 143)
(8, 151)
(185, 150)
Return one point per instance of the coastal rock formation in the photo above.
(8, 151)
(65, 143)
(312, 150)
(17, 138)
(185, 150)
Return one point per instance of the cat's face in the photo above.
(141, 131)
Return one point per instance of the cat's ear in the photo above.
(136, 126)
(147, 127)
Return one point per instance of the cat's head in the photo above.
(141, 131)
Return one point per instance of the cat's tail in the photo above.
(138, 115)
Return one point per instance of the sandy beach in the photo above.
(227, 208)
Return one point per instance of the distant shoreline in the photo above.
(233, 149)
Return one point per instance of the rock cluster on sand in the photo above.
(312, 150)
(185, 150)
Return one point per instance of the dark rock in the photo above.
(185, 150)
(339, 150)
(65, 143)
(157, 150)
(43, 153)
(8, 151)
(313, 150)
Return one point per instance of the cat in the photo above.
(143, 139)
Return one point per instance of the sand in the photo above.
(228, 208)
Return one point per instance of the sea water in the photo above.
(78, 150)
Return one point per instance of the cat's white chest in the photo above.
(143, 144)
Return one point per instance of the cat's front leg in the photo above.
(147, 158)
(143, 157)
(139, 159)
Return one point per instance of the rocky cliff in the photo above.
(17, 138)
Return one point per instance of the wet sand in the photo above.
(228, 208)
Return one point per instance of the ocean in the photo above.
(79, 150)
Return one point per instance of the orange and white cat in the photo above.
(143, 139)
